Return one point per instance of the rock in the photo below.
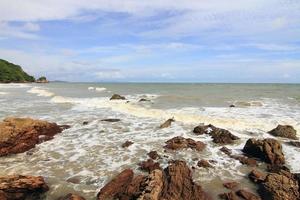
(230, 185)
(22, 134)
(117, 186)
(134, 190)
(257, 176)
(74, 180)
(85, 123)
(153, 155)
(127, 144)
(167, 123)
(22, 187)
(268, 150)
(286, 131)
(110, 120)
(143, 100)
(179, 142)
(71, 196)
(247, 195)
(229, 196)
(117, 97)
(204, 163)
(153, 186)
(219, 135)
(245, 160)
(294, 143)
(231, 106)
(179, 183)
(149, 165)
(226, 151)
(279, 187)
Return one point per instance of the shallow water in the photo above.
(93, 152)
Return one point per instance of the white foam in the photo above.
(101, 89)
(40, 92)
(3, 93)
(91, 88)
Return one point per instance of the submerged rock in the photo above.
(294, 143)
(204, 163)
(268, 150)
(143, 100)
(22, 134)
(226, 151)
(229, 196)
(285, 131)
(179, 142)
(247, 195)
(117, 97)
(149, 165)
(257, 176)
(219, 135)
(167, 123)
(153, 155)
(85, 123)
(231, 185)
(110, 120)
(127, 144)
(174, 182)
(71, 196)
(22, 187)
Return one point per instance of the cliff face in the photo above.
(11, 73)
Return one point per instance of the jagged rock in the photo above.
(127, 144)
(149, 165)
(286, 131)
(179, 142)
(110, 120)
(257, 176)
(219, 135)
(245, 160)
(231, 185)
(279, 187)
(117, 97)
(204, 163)
(22, 134)
(229, 196)
(71, 197)
(22, 187)
(294, 143)
(167, 123)
(143, 100)
(153, 155)
(85, 123)
(153, 186)
(268, 150)
(247, 195)
(226, 151)
(117, 186)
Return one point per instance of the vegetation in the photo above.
(10, 72)
(42, 78)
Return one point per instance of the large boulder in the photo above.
(279, 187)
(17, 187)
(219, 135)
(268, 150)
(285, 131)
(179, 142)
(21, 134)
(117, 97)
(174, 182)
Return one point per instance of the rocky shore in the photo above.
(152, 180)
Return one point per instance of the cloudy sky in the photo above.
(157, 40)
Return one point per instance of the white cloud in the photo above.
(25, 31)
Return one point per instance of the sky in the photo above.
(154, 41)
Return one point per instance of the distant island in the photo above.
(12, 73)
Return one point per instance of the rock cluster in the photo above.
(184, 143)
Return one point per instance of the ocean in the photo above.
(93, 154)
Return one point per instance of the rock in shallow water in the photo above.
(22, 187)
(21, 134)
(167, 123)
(71, 197)
(179, 142)
(117, 97)
(285, 131)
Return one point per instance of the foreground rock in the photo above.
(257, 176)
(219, 135)
(21, 134)
(117, 97)
(71, 197)
(268, 150)
(294, 143)
(247, 195)
(179, 142)
(174, 182)
(284, 131)
(22, 187)
(243, 159)
(149, 165)
(167, 123)
(153, 155)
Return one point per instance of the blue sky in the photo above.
(154, 41)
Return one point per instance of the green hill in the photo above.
(11, 73)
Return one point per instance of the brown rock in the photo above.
(153, 155)
(230, 185)
(286, 131)
(183, 143)
(247, 195)
(229, 196)
(245, 160)
(279, 187)
(117, 97)
(149, 165)
(22, 187)
(153, 186)
(167, 123)
(204, 163)
(110, 120)
(71, 197)
(127, 144)
(143, 100)
(294, 143)
(268, 150)
(21, 134)
(257, 176)
(226, 151)
(135, 188)
(117, 186)
(74, 180)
